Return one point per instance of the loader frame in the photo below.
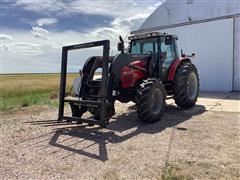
(79, 101)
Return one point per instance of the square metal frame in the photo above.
(104, 85)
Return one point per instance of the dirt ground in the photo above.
(198, 143)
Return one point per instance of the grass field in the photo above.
(22, 90)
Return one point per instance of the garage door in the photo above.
(212, 42)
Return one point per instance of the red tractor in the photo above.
(148, 72)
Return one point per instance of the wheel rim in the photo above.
(192, 85)
(157, 99)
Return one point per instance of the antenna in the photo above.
(126, 36)
(112, 52)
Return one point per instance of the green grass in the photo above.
(28, 89)
(16, 99)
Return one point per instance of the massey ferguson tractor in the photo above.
(147, 73)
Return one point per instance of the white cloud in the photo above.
(40, 32)
(44, 55)
(112, 8)
(29, 55)
(5, 37)
(22, 48)
(46, 21)
(41, 6)
(4, 47)
(119, 26)
(54, 45)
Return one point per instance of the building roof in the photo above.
(174, 13)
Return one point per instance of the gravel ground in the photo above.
(185, 144)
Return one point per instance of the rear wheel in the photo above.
(186, 85)
(150, 101)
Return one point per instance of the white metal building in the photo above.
(210, 29)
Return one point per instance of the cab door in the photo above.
(167, 54)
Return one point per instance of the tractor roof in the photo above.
(149, 35)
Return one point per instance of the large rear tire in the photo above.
(150, 101)
(186, 85)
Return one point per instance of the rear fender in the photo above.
(174, 67)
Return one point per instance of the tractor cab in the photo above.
(160, 46)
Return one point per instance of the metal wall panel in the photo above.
(212, 42)
(177, 12)
(237, 54)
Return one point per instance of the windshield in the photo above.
(144, 46)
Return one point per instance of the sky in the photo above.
(34, 31)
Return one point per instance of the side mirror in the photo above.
(193, 55)
(168, 39)
(121, 44)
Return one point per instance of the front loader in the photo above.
(147, 73)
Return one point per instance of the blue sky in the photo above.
(33, 31)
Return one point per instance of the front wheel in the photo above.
(186, 85)
(150, 100)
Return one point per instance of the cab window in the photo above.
(147, 47)
(143, 46)
(135, 48)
